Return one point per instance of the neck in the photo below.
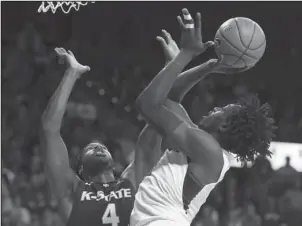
(209, 129)
(104, 177)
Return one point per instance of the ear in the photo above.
(81, 170)
(225, 125)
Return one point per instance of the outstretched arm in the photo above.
(148, 147)
(195, 143)
(149, 141)
(61, 177)
(155, 95)
(187, 79)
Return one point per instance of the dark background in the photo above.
(117, 39)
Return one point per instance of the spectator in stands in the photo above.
(20, 214)
(51, 218)
(258, 182)
(291, 205)
(35, 220)
(248, 216)
(7, 203)
(285, 177)
(287, 169)
(210, 216)
(271, 217)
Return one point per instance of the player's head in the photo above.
(95, 159)
(244, 128)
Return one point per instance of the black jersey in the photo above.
(97, 204)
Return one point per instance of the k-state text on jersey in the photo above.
(119, 194)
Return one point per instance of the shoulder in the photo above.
(194, 138)
(202, 146)
(128, 175)
(125, 182)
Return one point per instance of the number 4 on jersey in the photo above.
(109, 216)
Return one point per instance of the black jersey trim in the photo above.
(191, 188)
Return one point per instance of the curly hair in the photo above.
(250, 129)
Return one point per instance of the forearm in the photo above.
(149, 145)
(157, 91)
(186, 80)
(148, 152)
(54, 112)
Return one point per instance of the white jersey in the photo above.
(170, 193)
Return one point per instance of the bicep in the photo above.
(197, 144)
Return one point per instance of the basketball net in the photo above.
(65, 6)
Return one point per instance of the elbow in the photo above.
(44, 123)
(49, 126)
(140, 106)
(146, 107)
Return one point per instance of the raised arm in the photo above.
(148, 147)
(187, 79)
(62, 179)
(156, 93)
(195, 143)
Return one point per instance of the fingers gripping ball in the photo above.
(241, 42)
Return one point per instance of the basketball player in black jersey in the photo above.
(97, 198)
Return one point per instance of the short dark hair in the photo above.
(250, 129)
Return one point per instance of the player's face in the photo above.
(218, 116)
(97, 150)
(96, 158)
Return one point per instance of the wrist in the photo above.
(183, 57)
(73, 72)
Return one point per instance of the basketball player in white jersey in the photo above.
(196, 158)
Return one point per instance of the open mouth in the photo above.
(100, 153)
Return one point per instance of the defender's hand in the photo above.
(191, 34)
(169, 46)
(71, 60)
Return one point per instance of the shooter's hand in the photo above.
(169, 45)
(191, 34)
(215, 66)
(221, 68)
(71, 60)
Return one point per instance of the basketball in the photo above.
(241, 42)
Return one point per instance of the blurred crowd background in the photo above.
(118, 41)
